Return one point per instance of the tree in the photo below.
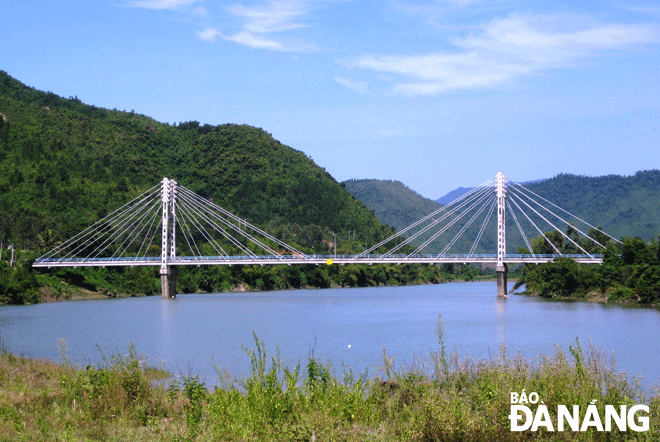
(636, 252)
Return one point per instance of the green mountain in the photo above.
(620, 205)
(394, 203)
(65, 164)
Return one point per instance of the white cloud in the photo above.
(274, 17)
(504, 50)
(357, 86)
(162, 4)
(209, 34)
(256, 41)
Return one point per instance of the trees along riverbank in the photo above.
(630, 273)
(22, 284)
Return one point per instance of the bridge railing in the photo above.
(127, 259)
(312, 259)
(572, 256)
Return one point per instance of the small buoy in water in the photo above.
(349, 345)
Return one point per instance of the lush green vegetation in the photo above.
(442, 398)
(620, 205)
(20, 284)
(393, 203)
(65, 165)
(630, 273)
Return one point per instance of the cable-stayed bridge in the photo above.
(170, 226)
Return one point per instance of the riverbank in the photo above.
(445, 398)
(22, 284)
(593, 296)
(629, 276)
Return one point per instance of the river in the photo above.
(351, 327)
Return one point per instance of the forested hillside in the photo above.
(624, 206)
(394, 203)
(65, 165)
(621, 205)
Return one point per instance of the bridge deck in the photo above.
(310, 259)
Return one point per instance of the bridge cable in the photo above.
(183, 226)
(515, 218)
(196, 219)
(567, 212)
(119, 233)
(188, 219)
(148, 235)
(460, 216)
(535, 226)
(92, 230)
(553, 226)
(563, 220)
(206, 205)
(483, 228)
(483, 195)
(111, 225)
(547, 221)
(477, 195)
(86, 231)
(199, 212)
(132, 234)
(204, 202)
(468, 224)
(426, 218)
(219, 229)
(207, 215)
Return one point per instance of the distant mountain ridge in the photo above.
(457, 193)
(451, 196)
(624, 206)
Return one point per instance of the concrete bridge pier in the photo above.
(501, 272)
(168, 281)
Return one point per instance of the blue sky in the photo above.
(436, 94)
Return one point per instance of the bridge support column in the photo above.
(501, 272)
(168, 281)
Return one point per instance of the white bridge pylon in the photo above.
(529, 211)
(169, 225)
(145, 231)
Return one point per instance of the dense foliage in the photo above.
(393, 203)
(65, 165)
(621, 205)
(630, 273)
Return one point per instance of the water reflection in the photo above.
(501, 319)
(189, 332)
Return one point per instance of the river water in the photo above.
(351, 327)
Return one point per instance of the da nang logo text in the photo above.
(522, 417)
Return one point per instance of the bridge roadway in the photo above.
(311, 259)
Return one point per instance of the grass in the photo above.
(441, 398)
